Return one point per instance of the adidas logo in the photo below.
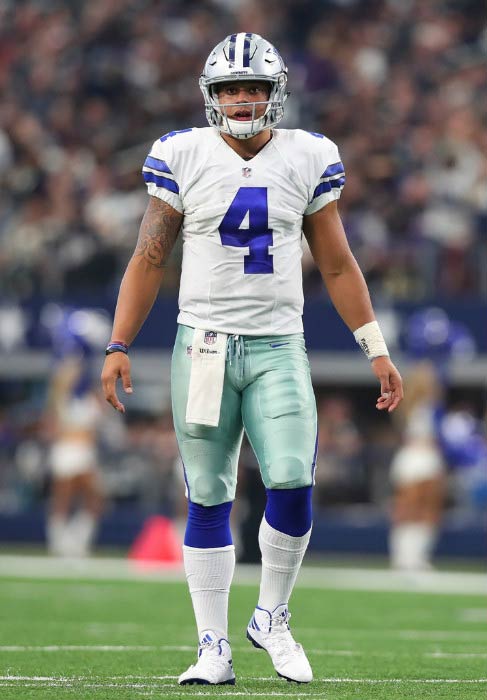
(254, 625)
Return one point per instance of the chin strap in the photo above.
(244, 129)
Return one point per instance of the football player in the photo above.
(242, 192)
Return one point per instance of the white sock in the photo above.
(56, 535)
(281, 560)
(82, 527)
(411, 545)
(209, 573)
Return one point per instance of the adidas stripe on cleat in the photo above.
(270, 631)
(214, 665)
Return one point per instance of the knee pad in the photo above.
(210, 474)
(289, 456)
(289, 472)
(210, 489)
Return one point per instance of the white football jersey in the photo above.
(242, 227)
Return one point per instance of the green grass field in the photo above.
(118, 640)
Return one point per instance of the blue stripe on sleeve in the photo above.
(161, 181)
(174, 133)
(333, 169)
(323, 187)
(157, 164)
(327, 186)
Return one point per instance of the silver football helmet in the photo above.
(244, 56)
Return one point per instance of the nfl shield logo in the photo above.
(246, 172)
(210, 337)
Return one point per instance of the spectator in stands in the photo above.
(85, 87)
(340, 474)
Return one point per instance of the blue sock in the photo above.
(208, 526)
(289, 510)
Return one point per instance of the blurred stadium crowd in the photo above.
(48, 420)
(87, 86)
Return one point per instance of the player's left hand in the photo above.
(391, 391)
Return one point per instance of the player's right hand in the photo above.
(117, 364)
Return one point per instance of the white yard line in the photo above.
(434, 635)
(88, 681)
(438, 635)
(150, 648)
(473, 615)
(187, 692)
(92, 647)
(458, 655)
(35, 567)
(121, 648)
(426, 635)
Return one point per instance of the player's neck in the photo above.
(248, 148)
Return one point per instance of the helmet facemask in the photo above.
(261, 63)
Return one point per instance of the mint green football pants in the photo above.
(267, 392)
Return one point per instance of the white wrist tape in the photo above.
(371, 340)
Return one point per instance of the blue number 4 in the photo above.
(257, 237)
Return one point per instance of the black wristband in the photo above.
(116, 347)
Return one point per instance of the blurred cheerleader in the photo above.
(418, 472)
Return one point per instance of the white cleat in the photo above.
(214, 665)
(270, 631)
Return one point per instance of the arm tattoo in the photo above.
(158, 232)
